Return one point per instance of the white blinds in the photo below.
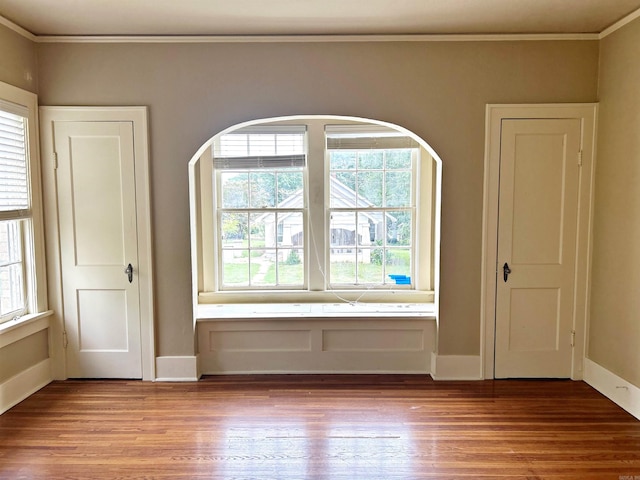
(261, 147)
(361, 137)
(14, 190)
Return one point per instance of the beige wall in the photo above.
(438, 90)
(614, 334)
(18, 60)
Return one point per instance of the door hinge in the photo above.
(65, 341)
(573, 338)
(55, 160)
(580, 158)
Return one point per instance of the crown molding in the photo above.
(619, 24)
(314, 38)
(18, 29)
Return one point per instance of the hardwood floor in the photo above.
(325, 427)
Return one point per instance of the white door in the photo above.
(537, 234)
(96, 193)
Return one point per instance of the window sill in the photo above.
(22, 327)
(214, 312)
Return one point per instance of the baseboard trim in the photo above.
(26, 383)
(619, 391)
(177, 369)
(456, 367)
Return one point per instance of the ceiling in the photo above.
(313, 17)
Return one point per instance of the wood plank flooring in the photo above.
(319, 427)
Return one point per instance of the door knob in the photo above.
(506, 271)
(129, 272)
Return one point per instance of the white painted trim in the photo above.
(24, 384)
(18, 29)
(619, 24)
(13, 331)
(587, 113)
(456, 367)
(138, 116)
(314, 38)
(615, 388)
(177, 369)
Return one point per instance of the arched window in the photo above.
(315, 209)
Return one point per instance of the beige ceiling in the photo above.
(311, 17)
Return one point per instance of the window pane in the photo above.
(343, 230)
(342, 160)
(369, 189)
(290, 267)
(10, 242)
(370, 266)
(262, 229)
(399, 227)
(342, 187)
(398, 262)
(398, 189)
(370, 159)
(262, 187)
(234, 230)
(235, 269)
(262, 268)
(262, 144)
(290, 189)
(290, 229)
(235, 189)
(369, 227)
(343, 266)
(12, 294)
(396, 159)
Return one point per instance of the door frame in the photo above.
(138, 117)
(495, 113)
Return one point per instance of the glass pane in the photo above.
(343, 230)
(342, 189)
(290, 189)
(399, 227)
(290, 230)
(367, 227)
(14, 190)
(10, 242)
(234, 230)
(11, 289)
(262, 230)
(235, 189)
(342, 160)
(370, 266)
(262, 187)
(369, 189)
(342, 266)
(290, 267)
(370, 159)
(398, 189)
(289, 144)
(235, 268)
(396, 159)
(233, 145)
(263, 268)
(398, 262)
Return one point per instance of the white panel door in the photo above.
(537, 233)
(98, 238)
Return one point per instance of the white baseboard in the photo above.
(176, 369)
(615, 388)
(25, 383)
(456, 367)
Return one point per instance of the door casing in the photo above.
(138, 117)
(495, 114)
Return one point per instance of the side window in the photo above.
(17, 245)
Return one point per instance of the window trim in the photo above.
(205, 261)
(32, 219)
